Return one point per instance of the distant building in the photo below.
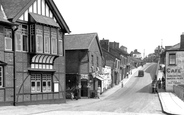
(136, 54)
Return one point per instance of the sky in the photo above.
(135, 24)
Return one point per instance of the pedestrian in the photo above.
(76, 93)
(159, 83)
(98, 92)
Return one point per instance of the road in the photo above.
(134, 98)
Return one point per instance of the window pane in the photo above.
(172, 59)
(18, 42)
(32, 84)
(25, 43)
(46, 43)
(8, 43)
(39, 44)
(60, 47)
(54, 45)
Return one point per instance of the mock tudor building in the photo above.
(83, 63)
(32, 58)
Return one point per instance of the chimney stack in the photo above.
(182, 42)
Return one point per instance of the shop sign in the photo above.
(84, 76)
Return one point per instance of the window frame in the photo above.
(174, 59)
(44, 79)
(46, 35)
(41, 45)
(1, 76)
(54, 46)
(8, 36)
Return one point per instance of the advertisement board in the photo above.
(174, 72)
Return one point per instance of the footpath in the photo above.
(57, 109)
(171, 104)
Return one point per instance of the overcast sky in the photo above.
(136, 24)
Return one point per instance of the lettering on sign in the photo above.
(84, 76)
(171, 70)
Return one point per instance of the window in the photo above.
(54, 43)
(39, 43)
(46, 83)
(60, 47)
(172, 59)
(46, 43)
(41, 83)
(97, 61)
(1, 76)
(21, 38)
(8, 39)
(92, 60)
(35, 83)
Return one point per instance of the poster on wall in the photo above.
(175, 73)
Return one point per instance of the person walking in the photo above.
(98, 92)
(76, 94)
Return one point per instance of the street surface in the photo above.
(134, 98)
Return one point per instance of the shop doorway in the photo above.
(84, 88)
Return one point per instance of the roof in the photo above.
(43, 19)
(80, 41)
(15, 8)
(175, 47)
(3, 18)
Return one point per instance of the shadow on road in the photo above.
(146, 89)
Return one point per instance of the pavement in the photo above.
(171, 103)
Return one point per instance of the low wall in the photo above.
(179, 91)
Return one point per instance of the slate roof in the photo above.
(43, 19)
(79, 41)
(175, 47)
(13, 7)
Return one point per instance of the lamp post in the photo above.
(14, 28)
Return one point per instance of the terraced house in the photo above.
(32, 58)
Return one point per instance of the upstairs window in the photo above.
(1, 76)
(54, 43)
(172, 59)
(44, 39)
(8, 39)
(21, 38)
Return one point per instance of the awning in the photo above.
(42, 59)
(43, 19)
(41, 70)
(100, 78)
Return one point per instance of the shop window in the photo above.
(1, 76)
(41, 83)
(8, 39)
(172, 59)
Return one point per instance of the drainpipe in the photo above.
(14, 28)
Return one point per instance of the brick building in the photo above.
(83, 62)
(32, 52)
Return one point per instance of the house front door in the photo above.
(84, 88)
